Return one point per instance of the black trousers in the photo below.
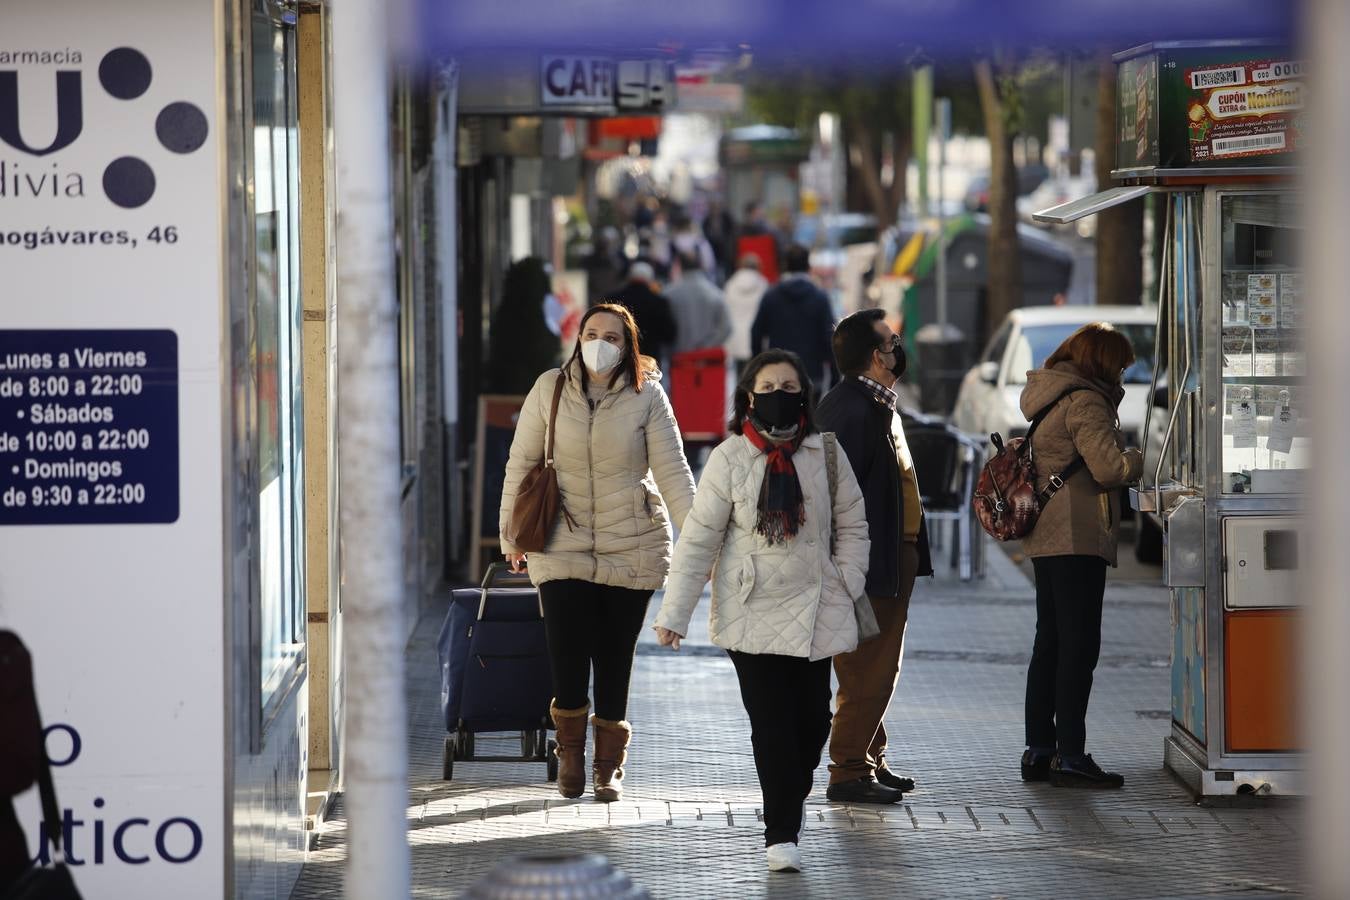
(1068, 640)
(788, 699)
(592, 627)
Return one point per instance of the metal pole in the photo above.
(378, 861)
(1326, 190)
(922, 114)
(447, 282)
(943, 116)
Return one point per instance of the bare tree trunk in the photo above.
(903, 148)
(1120, 230)
(868, 169)
(1005, 261)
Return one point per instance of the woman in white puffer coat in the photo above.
(620, 466)
(782, 604)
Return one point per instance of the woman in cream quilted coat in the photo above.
(624, 480)
(781, 602)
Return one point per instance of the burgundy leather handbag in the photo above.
(1006, 500)
(534, 512)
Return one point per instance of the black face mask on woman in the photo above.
(779, 409)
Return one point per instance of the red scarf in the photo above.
(781, 509)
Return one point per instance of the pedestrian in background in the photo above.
(781, 601)
(604, 277)
(720, 230)
(862, 411)
(689, 241)
(700, 310)
(755, 224)
(796, 315)
(623, 480)
(651, 312)
(744, 291)
(521, 343)
(1079, 440)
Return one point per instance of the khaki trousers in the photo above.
(867, 680)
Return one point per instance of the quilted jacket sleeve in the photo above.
(699, 545)
(527, 447)
(665, 455)
(1092, 427)
(851, 544)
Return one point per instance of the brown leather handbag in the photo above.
(1006, 500)
(534, 512)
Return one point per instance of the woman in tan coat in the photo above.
(1075, 397)
(623, 477)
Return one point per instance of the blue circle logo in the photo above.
(181, 127)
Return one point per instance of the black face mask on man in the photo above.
(779, 409)
(901, 362)
(897, 352)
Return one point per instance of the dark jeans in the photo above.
(788, 699)
(592, 626)
(1068, 639)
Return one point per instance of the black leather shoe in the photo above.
(1083, 774)
(862, 790)
(889, 779)
(1035, 766)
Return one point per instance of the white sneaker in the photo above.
(784, 858)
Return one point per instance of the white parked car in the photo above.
(988, 400)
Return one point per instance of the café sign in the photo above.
(577, 82)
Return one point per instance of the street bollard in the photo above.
(555, 876)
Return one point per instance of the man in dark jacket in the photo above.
(861, 410)
(796, 315)
(20, 752)
(651, 311)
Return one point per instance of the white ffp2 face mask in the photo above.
(600, 356)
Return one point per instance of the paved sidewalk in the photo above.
(689, 826)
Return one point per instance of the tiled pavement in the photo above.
(689, 827)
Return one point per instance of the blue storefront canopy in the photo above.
(863, 30)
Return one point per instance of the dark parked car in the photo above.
(1029, 177)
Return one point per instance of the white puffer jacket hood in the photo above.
(623, 477)
(791, 598)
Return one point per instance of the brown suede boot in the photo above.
(611, 751)
(571, 752)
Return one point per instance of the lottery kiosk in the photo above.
(1211, 128)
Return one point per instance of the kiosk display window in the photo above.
(1264, 437)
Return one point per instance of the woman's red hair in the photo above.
(1098, 350)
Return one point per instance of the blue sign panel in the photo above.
(88, 427)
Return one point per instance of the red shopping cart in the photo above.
(698, 382)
